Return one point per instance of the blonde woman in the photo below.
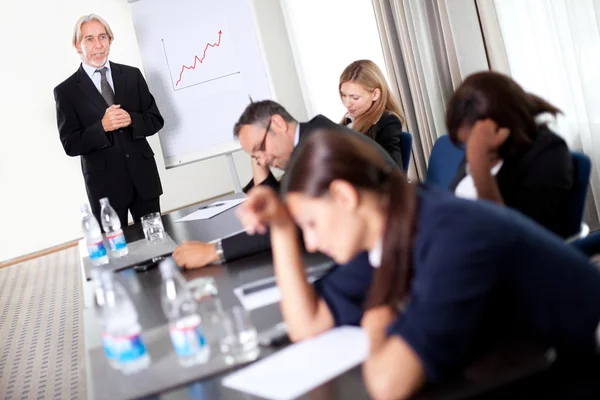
(372, 110)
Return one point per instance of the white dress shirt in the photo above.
(375, 254)
(96, 77)
(297, 136)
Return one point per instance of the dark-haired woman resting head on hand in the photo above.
(511, 157)
(467, 275)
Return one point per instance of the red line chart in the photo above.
(198, 59)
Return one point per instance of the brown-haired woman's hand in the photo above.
(375, 322)
(482, 154)
(485, 140)
(262, 209)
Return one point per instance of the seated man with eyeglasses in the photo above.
(269, 134)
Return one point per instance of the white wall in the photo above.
(41, 187)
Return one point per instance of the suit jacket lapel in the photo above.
(301, 130)
(88, 88)
(119, 81)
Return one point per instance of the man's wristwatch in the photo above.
(219, 250)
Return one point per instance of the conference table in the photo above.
(233, 274)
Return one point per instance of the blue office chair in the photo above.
(406, 149)
(582, 167)
(443, 162)
(446, 157)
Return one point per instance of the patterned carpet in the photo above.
(41, 329)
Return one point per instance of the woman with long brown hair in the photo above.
(511, 157)
(465, 274)
(372, 108)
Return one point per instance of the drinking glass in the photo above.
(154, 230)
(238, 339)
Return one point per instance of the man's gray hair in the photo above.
(87, 18)
(260, 112)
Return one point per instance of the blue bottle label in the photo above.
(187, 341)
(116, 241)
(109, 350)
(96, 250)
(126, 348)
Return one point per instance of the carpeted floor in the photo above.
(41, 329)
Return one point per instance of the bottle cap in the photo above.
(167, 267)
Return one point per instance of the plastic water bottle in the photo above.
(123, 332)
(180, 309)
(112, 228)
(93, 236)
(99, 311)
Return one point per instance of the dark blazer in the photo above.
(242, 245)
(322, 122)
(537, 181)
(386, 132)
(114, 164)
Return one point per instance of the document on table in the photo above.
(303, 366)
(210, 210)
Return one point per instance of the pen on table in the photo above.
(259, 286)
(211, 205)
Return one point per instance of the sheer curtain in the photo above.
(553, 50)
(429, 47)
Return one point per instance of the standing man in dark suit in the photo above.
(269, 134)
(104, 113)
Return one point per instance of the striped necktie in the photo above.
(107, 92)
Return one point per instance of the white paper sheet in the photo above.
(212, 209)
(303, 366)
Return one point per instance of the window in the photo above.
(326, 36)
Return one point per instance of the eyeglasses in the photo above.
(262, 145)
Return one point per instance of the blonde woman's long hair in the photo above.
(368, 74)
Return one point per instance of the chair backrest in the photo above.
(406, 149)
(444, 161)
(582, 167)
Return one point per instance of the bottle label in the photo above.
(188, 340)
(96, 250)
(116, 241)
(109, 350)
(125, 349)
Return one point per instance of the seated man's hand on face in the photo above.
(195, 254)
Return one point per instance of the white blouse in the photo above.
(466, 187)
(375, 254)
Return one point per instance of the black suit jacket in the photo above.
(322, 122)
(537, 181)
(242, 244)
(114, 164)
(386, 132)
